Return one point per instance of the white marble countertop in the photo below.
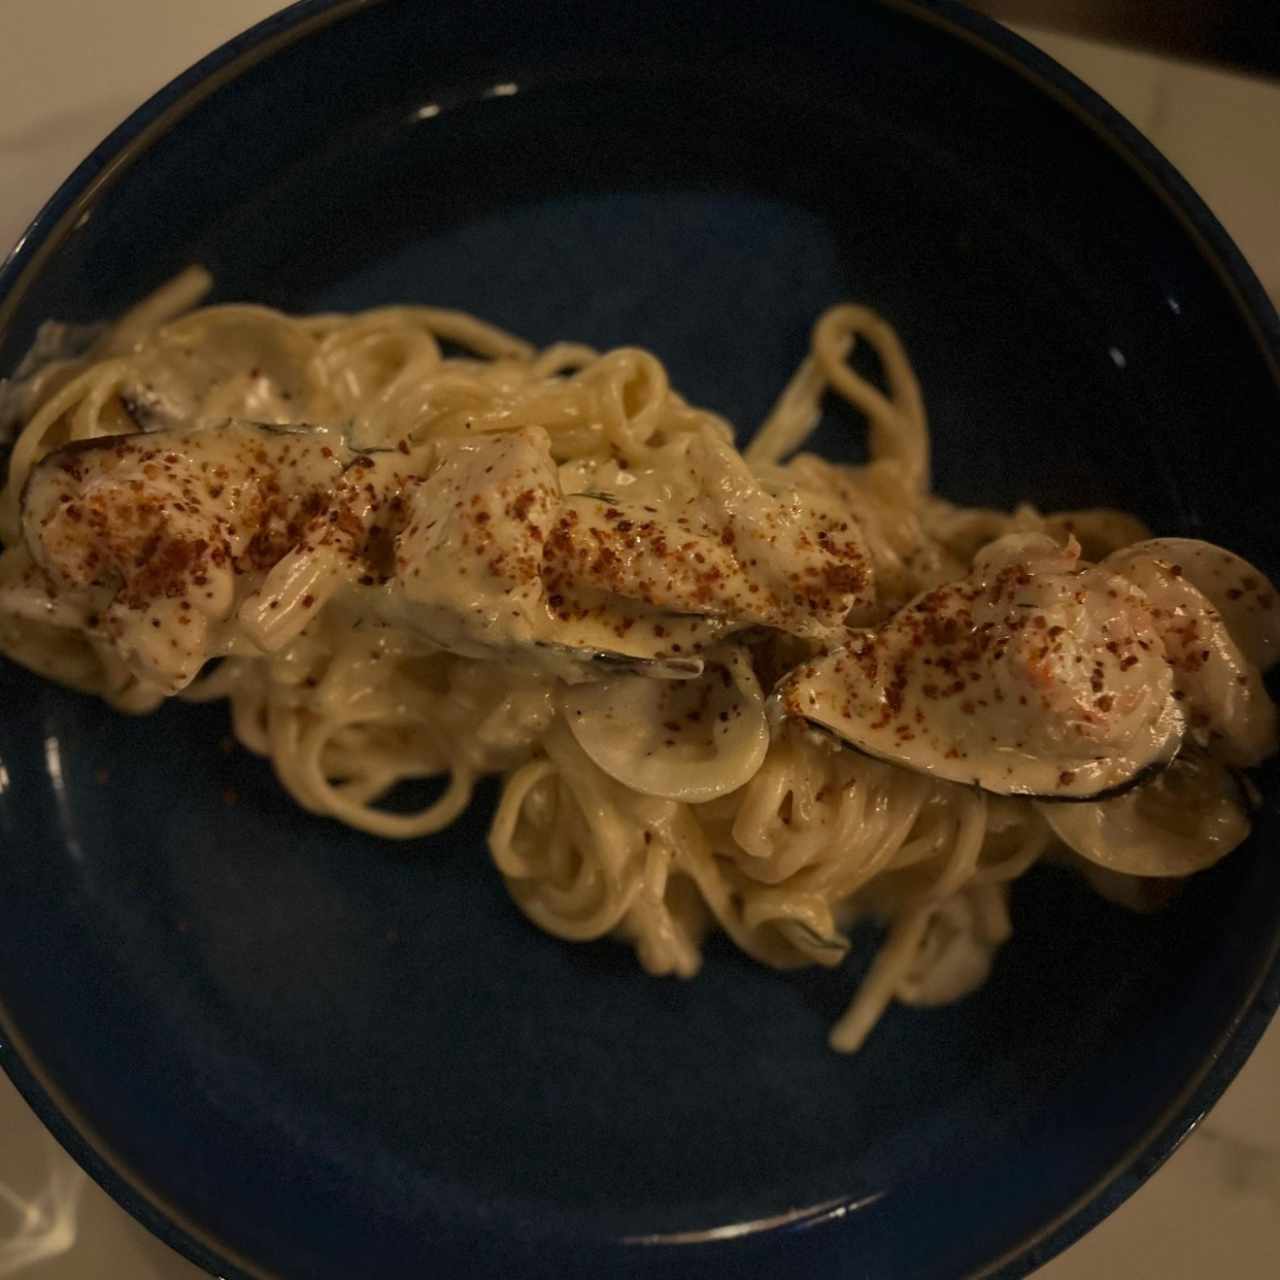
(72, 69)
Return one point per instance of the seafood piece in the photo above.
(1184, 819)
(1036, 675)
(1220, 688)
(690, 740)
(1247, 602)
(147, 537)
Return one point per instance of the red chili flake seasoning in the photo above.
(1066, 778)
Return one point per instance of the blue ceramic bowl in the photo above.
(293, 1050)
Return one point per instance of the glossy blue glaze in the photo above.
(295, 1050)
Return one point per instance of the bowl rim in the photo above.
(110, 160)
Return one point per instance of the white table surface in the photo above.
(72, 69)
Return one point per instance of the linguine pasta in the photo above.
(648, 793)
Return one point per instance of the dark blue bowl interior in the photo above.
(293, 1048)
